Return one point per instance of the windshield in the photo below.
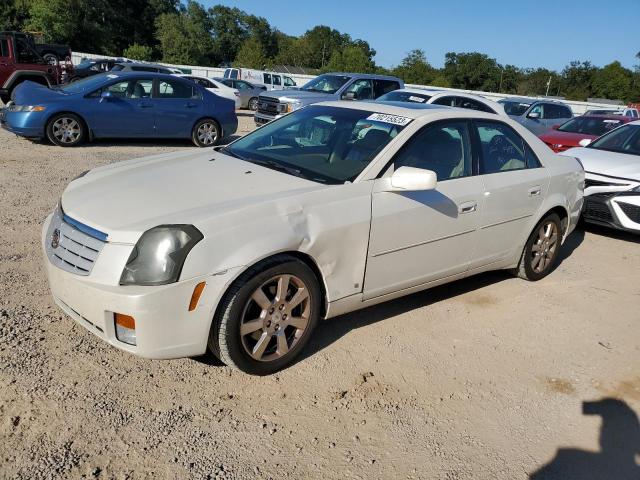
(590, 126)
(86, 84)
(322, 144)
(326, 84)
(625, 139)
(515, 108)
(399, 96)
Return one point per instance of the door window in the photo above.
(203, 82)
(444, 148)
(174, 89)
(552, 111)
(503, 149)
(288, 82)
(277, 80)
(447, 101)
(26, 54)
(140, 88)
(241, 86)
(362, 89)
(4, 47)
(538, 109)
(144, 69)
(471, 104)
(384, 86)
(267, 78)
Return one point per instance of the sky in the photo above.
(525, 33)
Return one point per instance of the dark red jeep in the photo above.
(19, 61)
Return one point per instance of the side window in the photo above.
(362, 89)
(444, 148)
(472, 104)
(565, 113)
(25, 52)
(277, 80)
(140, 88)
(447, 101)
(502, 148)
(241, 86)
(174, 89)
(4, 47)
(537, 109)
(267, 78)
(288, 82)
(144, 69)
(384, 86)
(203, 82)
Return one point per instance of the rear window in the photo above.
(515, 108)
(397, 96)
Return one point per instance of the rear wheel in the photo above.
(66, 130)
(253, 104)
(50, 58)
(541, 250)
(206, 133)
(267, 316)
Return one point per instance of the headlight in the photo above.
(636, 189)
(289, 107)
(159, 255)
(27, 108)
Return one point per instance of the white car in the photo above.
(446, 98)
(243, 249)
(612, 184)
(215, 87)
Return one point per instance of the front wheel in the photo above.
(206, 133)
(253, 104)
(541, 250)
(66, 130)
(267, 316)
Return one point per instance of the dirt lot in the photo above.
(484, 378)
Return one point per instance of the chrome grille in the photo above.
(71, 249)
(597, 210)
(268, 105)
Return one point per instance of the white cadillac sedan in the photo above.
(332, 208)
(612, 184)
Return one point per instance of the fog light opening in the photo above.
(125, 328)
(195, 297)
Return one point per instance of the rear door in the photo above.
(514, 185)
(266, 79)
(6, 59)
(177, 104)
(127, 113)
(277, 81)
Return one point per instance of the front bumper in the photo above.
(25, 124)
(164, 326)
(262, 118)
(617, 210)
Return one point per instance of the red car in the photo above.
(590, 127)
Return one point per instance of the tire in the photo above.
(276, 327)
(50, 58)
(541, 251)
(253, 104)
(66, 130)
(5, 98)
(206, 133)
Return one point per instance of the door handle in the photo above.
(467, 207)
(534, 191)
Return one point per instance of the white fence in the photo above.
(578, 107)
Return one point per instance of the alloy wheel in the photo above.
(207, 133)
(66, 130)
(544, 247)
(275, 318)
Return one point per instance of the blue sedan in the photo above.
(121, 105)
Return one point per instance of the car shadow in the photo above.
(610, 232)
(619, 446)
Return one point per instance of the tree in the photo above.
(472, 71)
(612, 81)
(251, 54)
(350, 59)
(577, 80)
(184, 37)
(415, 69)
(139, 52)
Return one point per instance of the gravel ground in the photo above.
(483, 378)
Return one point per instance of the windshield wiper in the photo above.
(279, 167)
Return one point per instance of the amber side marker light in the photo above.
(195, 297)
(125, 328)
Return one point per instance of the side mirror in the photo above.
(534, 115)
(584, 142)
(556, 127)
(105, 96)
(349, 96)
(411, 179)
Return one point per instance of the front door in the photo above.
(514, 186)
(6, 61)
(127, 113)
(418, 237)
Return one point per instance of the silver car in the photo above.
(537, 115)
(248, 91)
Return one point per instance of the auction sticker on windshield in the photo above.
(393, 119)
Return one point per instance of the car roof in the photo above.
(606, 117)
(143, 64)
(531, 101)
(364, 75)
(128, 74)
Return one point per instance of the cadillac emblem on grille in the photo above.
(55, 238)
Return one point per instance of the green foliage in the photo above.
(139, 52)
(251, 54)
(187, 33)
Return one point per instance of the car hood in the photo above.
(611, 164)
(301, 95)
(125, 199)
(31, 93)
(565, 138)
